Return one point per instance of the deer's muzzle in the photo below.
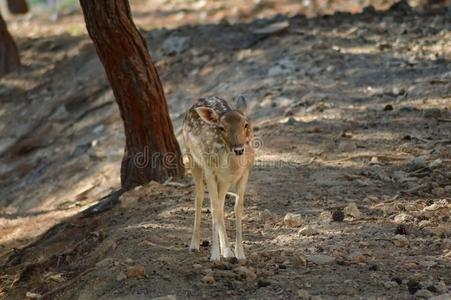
(238, 150)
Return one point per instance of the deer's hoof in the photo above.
(215, 256)
(239, 254)
(193, 247)
(228, 253)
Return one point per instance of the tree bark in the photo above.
(151, 150)
(17, 6)
(9, 55)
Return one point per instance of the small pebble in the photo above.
(388, 107)
(373, 268)
(338, 215)
(208, 279)
(423, 294)
(263, 283)
(135, 271)
(413, 286)
(352, 210)
(293, 220)
(397, 280)
(401, 229)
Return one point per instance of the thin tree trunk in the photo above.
(9, 55)
(151, 151)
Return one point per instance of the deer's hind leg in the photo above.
(198, 175)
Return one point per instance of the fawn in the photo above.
(217, 139)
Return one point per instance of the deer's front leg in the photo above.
(223, 187)
(239, 209)
(198, 175)
(213, 193)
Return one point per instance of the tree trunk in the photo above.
(151, 150)
(17, 6)
(9, 55)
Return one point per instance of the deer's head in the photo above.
(232, 126)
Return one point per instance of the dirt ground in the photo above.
(352, 115)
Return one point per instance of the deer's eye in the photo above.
(221, 128)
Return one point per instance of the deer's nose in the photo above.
(238, 150)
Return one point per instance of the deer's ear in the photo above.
(208, 115)
(241, 104)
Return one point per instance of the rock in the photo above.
(99, 129)
(303, 295)
(352, 210)
(374, 161)
(369, 9)
(263, 283)
(401, 176)
(427, 263)
(307, 231)
(403, 218)
(390, 284)
(401, 7)
(320, 259)
(129, 261)
(437, 205)
(208, 279)
(247, 272)
(31, 295)
(197, 266)
(346, 146)
(266, 215)
(435, 163)
(272, 28)
(57, 277)
(432, 113)
(441, 297)
(338, 215)
(397, 91)
(400, 240)
(121, 276)
(325, 217)
(330, 69)
(282, 67)
(61, 114)
(441, 287)
(293, 220)
(401, 229)
(423, 294)
(175, 45)
(135, 271)
(291, 121)
(104, 263)
(416, 163)
(438, 191)
(168, 297)
(413, 286)
(298, 261)
(388, 107)
(357, 257)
